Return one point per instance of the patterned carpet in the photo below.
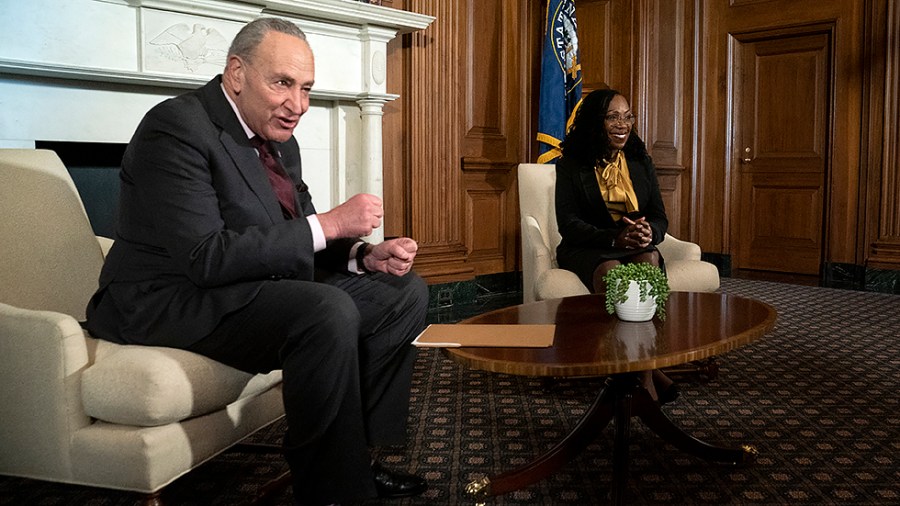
(818, 397)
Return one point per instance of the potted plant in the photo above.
(636, 291)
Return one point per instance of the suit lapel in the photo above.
(238, 147)
(592, 192)
(246, 159)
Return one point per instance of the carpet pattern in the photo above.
(818, 397)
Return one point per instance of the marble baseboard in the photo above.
(882, 280)
(858, 277)
(451, 302)
(834, 275)
(470, 291)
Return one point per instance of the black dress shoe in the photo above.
(392, 484)
(669, 395)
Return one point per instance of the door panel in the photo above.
(780, 149)
(783, 230)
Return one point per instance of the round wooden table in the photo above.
(590, 342)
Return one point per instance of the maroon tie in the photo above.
(281, 183)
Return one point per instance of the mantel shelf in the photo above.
(349, 12)
(69, 72)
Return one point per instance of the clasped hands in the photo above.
(637, 234)
(358, 217)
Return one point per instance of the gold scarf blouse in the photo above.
(615, 186)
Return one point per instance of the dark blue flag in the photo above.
(560, 77)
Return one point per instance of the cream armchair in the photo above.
(79, 410)
(543, 279)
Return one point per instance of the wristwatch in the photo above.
(360, 253)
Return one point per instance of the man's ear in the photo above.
(234, 74)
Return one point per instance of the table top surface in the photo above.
(590, 342)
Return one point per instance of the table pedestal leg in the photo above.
(659, 423)
(622, 397)
(625, 387)
(620, 442)
(588, 428)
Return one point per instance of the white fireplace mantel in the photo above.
(88, 71)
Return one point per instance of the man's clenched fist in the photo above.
(394, 256)
(356, 217)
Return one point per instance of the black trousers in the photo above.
(343, 344)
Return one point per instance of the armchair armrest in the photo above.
(43, 356)
(673, 248)
(686, 272)
(556, 283)
(692, 276)
(536, 245)
(105, 244)
(536, 257)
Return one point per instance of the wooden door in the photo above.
(780, 152)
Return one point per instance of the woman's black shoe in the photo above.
(669, 395)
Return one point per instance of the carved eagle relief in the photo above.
(192, 47)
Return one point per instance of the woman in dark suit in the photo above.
(608, 205)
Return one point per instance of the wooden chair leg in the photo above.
(269, 491)
(272, 489)
(154, 499)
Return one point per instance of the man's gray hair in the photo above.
(246, 41)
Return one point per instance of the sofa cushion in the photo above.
(150, 386)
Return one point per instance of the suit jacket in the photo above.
(199, 226)
(585, 224)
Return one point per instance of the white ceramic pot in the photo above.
(633, 309)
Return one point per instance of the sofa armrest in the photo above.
(42, 358)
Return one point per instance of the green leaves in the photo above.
(650, 278)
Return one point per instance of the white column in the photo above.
(371, 104)
(371, 161)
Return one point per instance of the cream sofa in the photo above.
(541, 276)
(79, 410)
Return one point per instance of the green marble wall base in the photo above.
(858, 277)
(834, 275)
(451, 302)
(473, 290)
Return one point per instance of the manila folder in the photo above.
(490, 335)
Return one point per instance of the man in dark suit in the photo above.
(220, 251)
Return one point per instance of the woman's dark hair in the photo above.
(587, 140)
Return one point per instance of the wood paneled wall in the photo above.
(467, 116)
(457, 134)
(642, 48)
(722, 27)
(882, 239)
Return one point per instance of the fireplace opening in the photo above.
(94, 167)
